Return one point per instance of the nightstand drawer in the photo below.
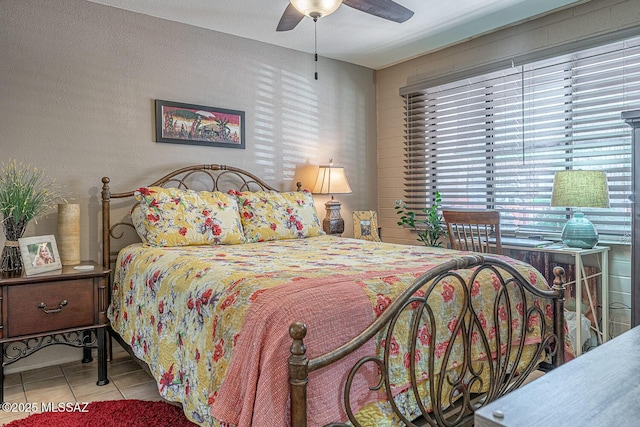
(36, 308)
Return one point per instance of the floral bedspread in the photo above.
(183, 310)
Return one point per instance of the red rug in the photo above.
(111, 413)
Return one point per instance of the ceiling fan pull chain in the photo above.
(315, 44)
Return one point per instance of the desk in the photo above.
(602, 254)
(600, 388)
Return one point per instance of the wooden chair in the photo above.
(476, 230)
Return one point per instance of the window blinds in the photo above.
(495, 140)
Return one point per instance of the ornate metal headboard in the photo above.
(197, 177)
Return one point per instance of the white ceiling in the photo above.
(350, 35)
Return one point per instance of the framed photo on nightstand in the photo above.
(39, 254)
(365, 225)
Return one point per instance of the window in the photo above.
(495, 140)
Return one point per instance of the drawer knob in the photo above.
(43, 306)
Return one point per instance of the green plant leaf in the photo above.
(25, 192)
(431, 229)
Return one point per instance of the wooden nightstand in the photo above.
(67, 306)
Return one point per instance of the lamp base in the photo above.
(579, 232)
(333, 222)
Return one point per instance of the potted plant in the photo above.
(430, 229)
(25, 193)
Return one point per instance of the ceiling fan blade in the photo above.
(386, 9)
(290, 18)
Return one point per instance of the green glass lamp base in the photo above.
(579, 232)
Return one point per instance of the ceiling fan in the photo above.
(298, 9)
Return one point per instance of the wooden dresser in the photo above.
(599, 388)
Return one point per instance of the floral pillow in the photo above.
(175, 217)
(138, 219)
(301, 206)
(270, 215)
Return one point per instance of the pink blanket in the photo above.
(256, 389)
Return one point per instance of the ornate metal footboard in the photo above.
(453, 389)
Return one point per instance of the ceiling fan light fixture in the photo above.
(316, 8)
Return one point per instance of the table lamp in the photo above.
(580, 189)
(332, 180)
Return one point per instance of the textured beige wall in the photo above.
(77, 85)
(593, 18)
(78, 81)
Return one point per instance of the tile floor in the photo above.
(76, 382)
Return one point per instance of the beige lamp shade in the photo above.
(580, 189)
(331, 180)
(316, 8)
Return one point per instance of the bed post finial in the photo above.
(558, 281)
(558, 315)
(298, 375)
(106, 222)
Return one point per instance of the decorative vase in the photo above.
(11, 259)
(69, 233)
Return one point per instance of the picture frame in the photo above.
(179, 123)
(39, 254)
(365, 226)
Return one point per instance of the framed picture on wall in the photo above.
(39, 254)
(365, 225)
(179, 123)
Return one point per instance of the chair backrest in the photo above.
(476, 230)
